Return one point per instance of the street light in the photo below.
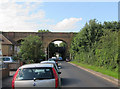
(48, 51)
(45, 54)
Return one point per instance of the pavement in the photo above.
(6, 82)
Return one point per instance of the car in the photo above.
(36, 75)
(60, 58)
(53, 59)
(67, 60)
(1, 62)
(7, 59)
(51, 62)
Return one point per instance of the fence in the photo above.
(7, 67)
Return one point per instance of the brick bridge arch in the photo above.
(46, 37)
(52, 40)
(56, 39)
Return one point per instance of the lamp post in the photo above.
(48, 51)
(45, 54)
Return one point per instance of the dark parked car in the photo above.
(67, 59)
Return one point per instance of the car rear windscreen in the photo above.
(31, 73)
(6, 59)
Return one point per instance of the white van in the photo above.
(7, 59)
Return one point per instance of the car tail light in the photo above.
(14, 78)
(56, 77)
(56, 61)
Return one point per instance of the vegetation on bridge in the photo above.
(43, 30)
(97, 44)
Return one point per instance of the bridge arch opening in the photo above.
(57, 48)
(20, 41)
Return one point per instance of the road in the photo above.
(73, 76)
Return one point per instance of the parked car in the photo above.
(60, 58)
(53, 59)
(51, 62)
(1, 62)
(67, 59)
(7, 59)
(36, 75)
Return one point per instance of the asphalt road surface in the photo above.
(73, 76)
(7, 82)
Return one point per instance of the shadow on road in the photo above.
(69, 81)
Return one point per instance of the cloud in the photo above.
(28, 17)
(16, 17)
(66, 24)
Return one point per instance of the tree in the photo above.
(56, 45)
(97, 44)
(43, 30)
(52, 50)
(63, 44)
(31, 49)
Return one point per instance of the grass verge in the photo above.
(98, 69)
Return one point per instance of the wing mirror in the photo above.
(59, 67)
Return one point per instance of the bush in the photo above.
(97, 44)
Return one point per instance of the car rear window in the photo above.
(31, 73)
(6, 59)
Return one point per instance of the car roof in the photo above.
(47, 62)
(6, 57)
(35, 65)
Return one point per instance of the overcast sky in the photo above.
(57, 16)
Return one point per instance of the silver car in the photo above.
(1, 62)
(56, 67)
(36, 75)
(51, 62)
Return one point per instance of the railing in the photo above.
(14, 65)
(5, 68)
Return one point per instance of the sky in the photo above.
(56, 16)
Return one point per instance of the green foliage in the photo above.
(43, 30)
(52, 50)
(97, 44)
(31, 49)
(56, 45)
(16, 58)
(63, 44)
